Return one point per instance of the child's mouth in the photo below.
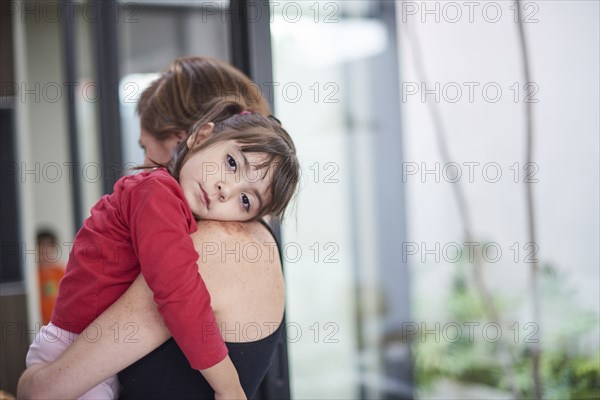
(204, 197)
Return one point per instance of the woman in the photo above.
(238, 263)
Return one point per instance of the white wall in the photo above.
(564, 53)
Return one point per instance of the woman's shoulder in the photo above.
(228, 247)
(238, 232)
(241, 267)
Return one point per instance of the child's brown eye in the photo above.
(246, 202)
(231, 162)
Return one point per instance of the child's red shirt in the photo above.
(144, 226)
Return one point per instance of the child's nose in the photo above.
(224, 191)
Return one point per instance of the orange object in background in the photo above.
(50, 276)
(50, 272)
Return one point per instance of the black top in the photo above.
(166, 373)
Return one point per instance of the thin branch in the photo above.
(489, 306)
(534, 271)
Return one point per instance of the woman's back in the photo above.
(245, 280)
(166, 374)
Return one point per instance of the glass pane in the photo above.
(339, 308)
(87, 101)
(151, 35)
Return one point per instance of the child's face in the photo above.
(220, 183)
(47, 251)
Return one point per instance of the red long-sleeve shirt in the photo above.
(144, 226)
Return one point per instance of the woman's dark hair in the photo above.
(185, 91)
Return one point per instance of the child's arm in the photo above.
(160, 224)
(177, 289)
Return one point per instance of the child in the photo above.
(235, 166)
(50, 271)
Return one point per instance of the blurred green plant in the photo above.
(569, 368)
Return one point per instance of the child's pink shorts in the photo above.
(50, 342)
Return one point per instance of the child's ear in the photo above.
(198, 137)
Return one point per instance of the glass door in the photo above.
(336, 90)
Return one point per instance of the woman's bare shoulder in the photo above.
(240, 265)
(240, 231)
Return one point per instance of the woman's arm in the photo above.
(86, 362)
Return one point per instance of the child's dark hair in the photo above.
(254, 133)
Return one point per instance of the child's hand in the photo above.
(224, 380)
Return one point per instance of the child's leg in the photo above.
(109, 389)
(50, 342)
